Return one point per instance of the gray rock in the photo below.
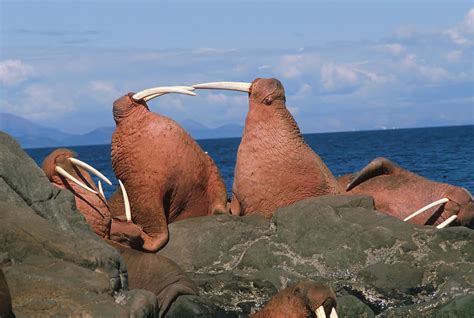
(376, 264)
(53, 263)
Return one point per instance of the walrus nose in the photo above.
(150, 93)
(231, 86)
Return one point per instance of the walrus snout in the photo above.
(58, 157)
(124, 105)
(267, 90)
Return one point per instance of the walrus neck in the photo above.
(131, 113)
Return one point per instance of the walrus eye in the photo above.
(268, 100)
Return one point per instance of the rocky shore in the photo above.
(378, 266)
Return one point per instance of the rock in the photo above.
(53, 262)
(374, 262)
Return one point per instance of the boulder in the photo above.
(53, 263)
(378, 265)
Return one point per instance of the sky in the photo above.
(345, 65)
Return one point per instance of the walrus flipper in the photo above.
(377, 167)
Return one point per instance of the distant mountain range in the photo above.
(31, 135)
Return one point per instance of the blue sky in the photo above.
(345, 65)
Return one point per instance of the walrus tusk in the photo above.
(231, 86)
(423, 209)
(150, 97)
(128, 213)
(333, 313)
(320, 313)
(158, 91)
(447, 222)
(101, 191)
(86, 166)
(66, 175)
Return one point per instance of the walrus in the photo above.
(274, 167)
(152, 272)
(410, 197)
(6, 310)
(305, 299)
(166, 173)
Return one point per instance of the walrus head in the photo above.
(128, 104)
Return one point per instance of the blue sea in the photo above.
(443, 154)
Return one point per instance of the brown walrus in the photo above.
(166, 173)
(399, 192)
(275, 167)
(6, 310)
(152, 272)
(305, 299)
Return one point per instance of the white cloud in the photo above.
(461, 34)
(419, 67)
(337, 76)
(14, 71)
(38, 102)
(454, 55)
(103, 91)
(293, 66)
(392, 48)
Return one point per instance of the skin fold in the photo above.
(167, 175)
(275, 167)
(299, 301)
(152, 272)
(399, 192)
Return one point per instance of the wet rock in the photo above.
(389, 266)
(53, 263)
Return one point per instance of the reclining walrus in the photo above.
(152, 272)
(410, 197)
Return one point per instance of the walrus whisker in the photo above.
(101, 191)
(126, 203)
(333, 313)
(88, 167)
(423, 209)
(66, 175)
(158, 91)
(320, 313)
(447, 222)
(231, 86)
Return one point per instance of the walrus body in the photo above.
(399, 192)
(152, 272)
(300, 301)
(166, 173)
(275, 167)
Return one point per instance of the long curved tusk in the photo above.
(128, 213)
(231, 86)
(66, 175)
(101, 191)
(158, 91)
(86, 166)
(447, 222)
(333, 313)
(423, 209)
(320, 313)
(150, 97)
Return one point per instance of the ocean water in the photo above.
(443, 154)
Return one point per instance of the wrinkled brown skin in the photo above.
(152, 272)
(92, 206)
(275, 167)
(399, 192)
(5, 298)
(299, 301)
(167, 175)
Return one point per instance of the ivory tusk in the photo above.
(128, 213)
(447, 222)
(320, 313)
(66, 175)
(231, 86)
(423, 209)
(86, 166)
(158, 91)
(333, 313)
(150, 97)
(101, 191)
